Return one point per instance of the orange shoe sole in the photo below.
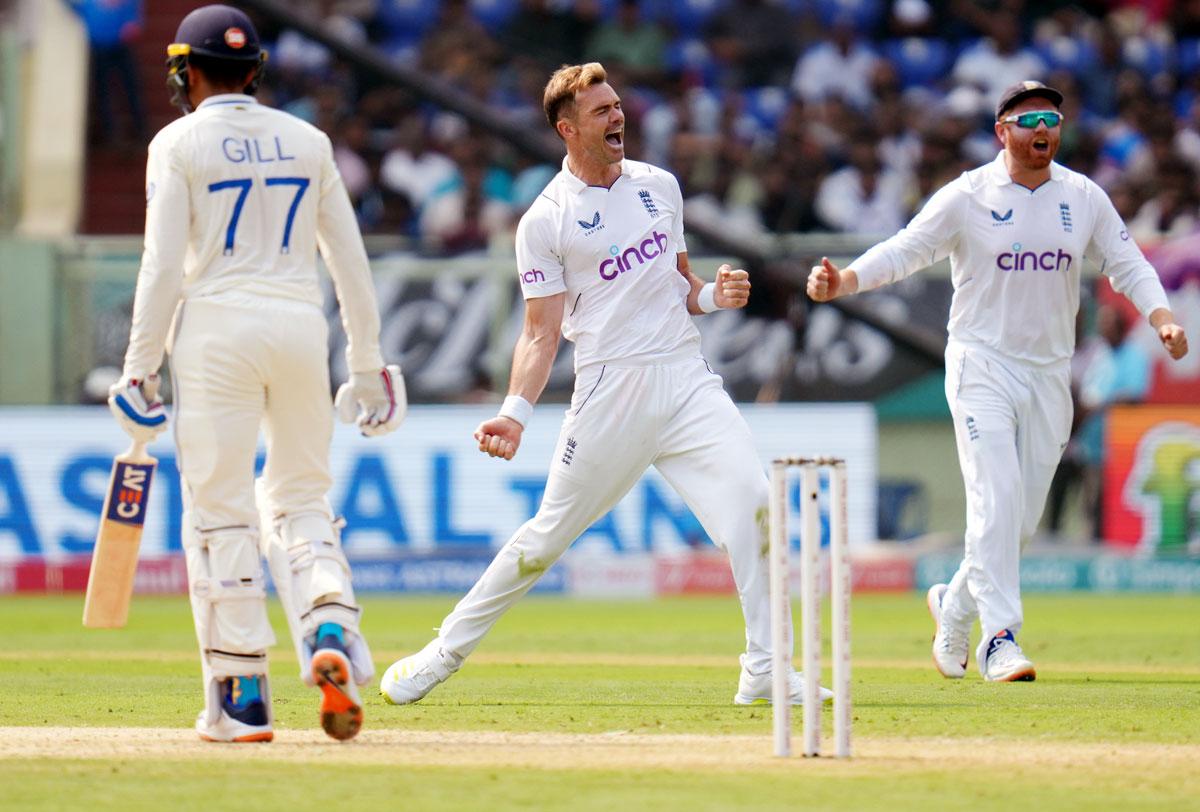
(341, 716)
(253, 737)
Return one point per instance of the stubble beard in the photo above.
(1029, 158)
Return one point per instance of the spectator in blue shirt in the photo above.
(112, 27)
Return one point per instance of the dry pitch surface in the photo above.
(618, 750)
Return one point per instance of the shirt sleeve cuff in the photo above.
(872, 270)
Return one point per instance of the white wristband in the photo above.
(707, 300)
(517, 408)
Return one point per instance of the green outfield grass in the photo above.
(1113, 720)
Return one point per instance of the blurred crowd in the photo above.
(776, 115)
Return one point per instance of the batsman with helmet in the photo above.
(239, 198)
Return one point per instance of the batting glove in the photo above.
(137, 408)
(375, 401)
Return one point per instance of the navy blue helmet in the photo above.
(217, 35)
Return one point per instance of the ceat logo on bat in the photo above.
(131, 487)
(235, 37)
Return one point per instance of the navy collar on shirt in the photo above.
(227, 98)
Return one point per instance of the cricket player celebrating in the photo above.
(239, 197)
(601, 258)
(1016, 231)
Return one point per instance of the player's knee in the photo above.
(535, 550)
(749, 501)
(1002, 488)
(314, 548)
(226, 578)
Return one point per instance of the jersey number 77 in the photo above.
(242, 185)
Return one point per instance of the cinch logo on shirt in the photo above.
(622, 260)
(1019, 260)
(531, 276)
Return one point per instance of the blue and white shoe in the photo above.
(341, 708)
(244, 714)
(951, 643)
(1005, 662)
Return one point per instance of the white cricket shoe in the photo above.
(411, 678)
(1005, 662)
(244, 712)
(951, 643)
(755, 689)
(228, 729)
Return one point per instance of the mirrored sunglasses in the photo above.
(1029, 121)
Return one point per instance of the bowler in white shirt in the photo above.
(601, 259)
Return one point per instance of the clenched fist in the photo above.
(824, 281)
(732, 287)
(499, 437)
(1174, 340)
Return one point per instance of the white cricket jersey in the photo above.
(613, 251)
(1015, 257)
(238, 198)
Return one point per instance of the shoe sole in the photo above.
(1021, 675)
(388, 699)
(935, 608)
(252, 737)
(341, 716)
(738, 699)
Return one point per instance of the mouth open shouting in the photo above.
(616, 138)
(1041, 149)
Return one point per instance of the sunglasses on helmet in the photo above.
(1030, 120)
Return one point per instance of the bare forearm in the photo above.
(533, 358)
(695, 284)
(848, 282)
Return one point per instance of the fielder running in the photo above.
(1016, 231)
(239, 198)
(601, 259)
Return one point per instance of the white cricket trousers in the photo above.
(235, 369)
(676, 417)
(1011, 424)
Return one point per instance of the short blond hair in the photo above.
(558, 100)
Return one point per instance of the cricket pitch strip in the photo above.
(618, 750)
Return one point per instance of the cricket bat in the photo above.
(114, 559)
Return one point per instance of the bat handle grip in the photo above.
(137, 451)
